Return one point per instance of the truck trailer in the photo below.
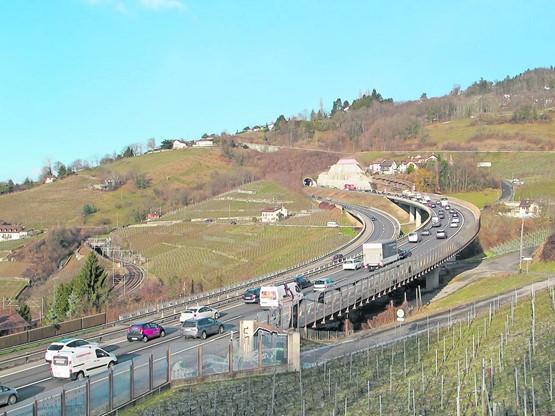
(379, 253)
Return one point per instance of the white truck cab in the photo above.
(81, 362)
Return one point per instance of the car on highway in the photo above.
(455, 219)
(194, 312)
(145, 331)
(322, 284)
(337, 258)
(302, 281)
(201, 327)
(8, 395)
(453, 225)
(251, 295)
(373, 218)
(414, 237)
(440, 234)
(67, 344)
(404, 253)
(425, 232)
(352, 264)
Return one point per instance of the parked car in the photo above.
(425, 232)
(8, 395)
(145, 331)
(441, 234)
(251, 295)
(302, 281)
(352, 264)
(201, 327)
(199, 312)
(322, 284)
(404, 253)
(337, 258)
(66, 345)
(413, 237)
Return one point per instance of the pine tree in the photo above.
(72, 304)
(25, 312)
(89, 284)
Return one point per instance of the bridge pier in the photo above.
(432, 279)
(412, 211)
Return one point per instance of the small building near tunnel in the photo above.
(345, 172)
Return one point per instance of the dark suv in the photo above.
(251, 295)
(302, 281)
(337, 258)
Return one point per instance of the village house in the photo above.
(50, 179)
(273, 214)
(204, 143)
(11, 232)
(180, 144)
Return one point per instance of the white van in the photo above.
(274, 296)
(333, 224)
(81, 362)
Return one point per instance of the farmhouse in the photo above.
(204, 143)
(180, 144)
(11, 232)
(273, 214)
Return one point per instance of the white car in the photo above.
(352, 264)
(195, 312)
(413, 237)
(67, 345)
(323, 284)
(455, 220)
(454, 225)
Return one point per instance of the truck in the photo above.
(274, 296)
(435, 221)
(379, 253)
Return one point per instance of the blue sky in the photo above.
(81, 79)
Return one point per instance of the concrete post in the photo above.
(418, 218)
(432, 279)
(412, 211)
(294, 351)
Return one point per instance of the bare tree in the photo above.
(151, 143)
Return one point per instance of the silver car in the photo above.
(201, 327)
(8, 395)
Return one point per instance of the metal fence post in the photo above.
(231, 353)
(63, 402)
(88, 395)
(150, 372)
(199, 355)
(259, 349)
(110, 390)
(132, 379)
(168, 358)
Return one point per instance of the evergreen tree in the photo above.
(52, 316)
(89, 284)
(25, 312)
(72, 304)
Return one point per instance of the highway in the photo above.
(34, 378)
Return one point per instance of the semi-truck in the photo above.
(379, 253)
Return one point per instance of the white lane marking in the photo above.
(36, 382)
(25, 369)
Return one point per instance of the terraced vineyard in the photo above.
(217, 254)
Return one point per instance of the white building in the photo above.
(11, 232)
(273, 214)
(345, 172)
(204, 143)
